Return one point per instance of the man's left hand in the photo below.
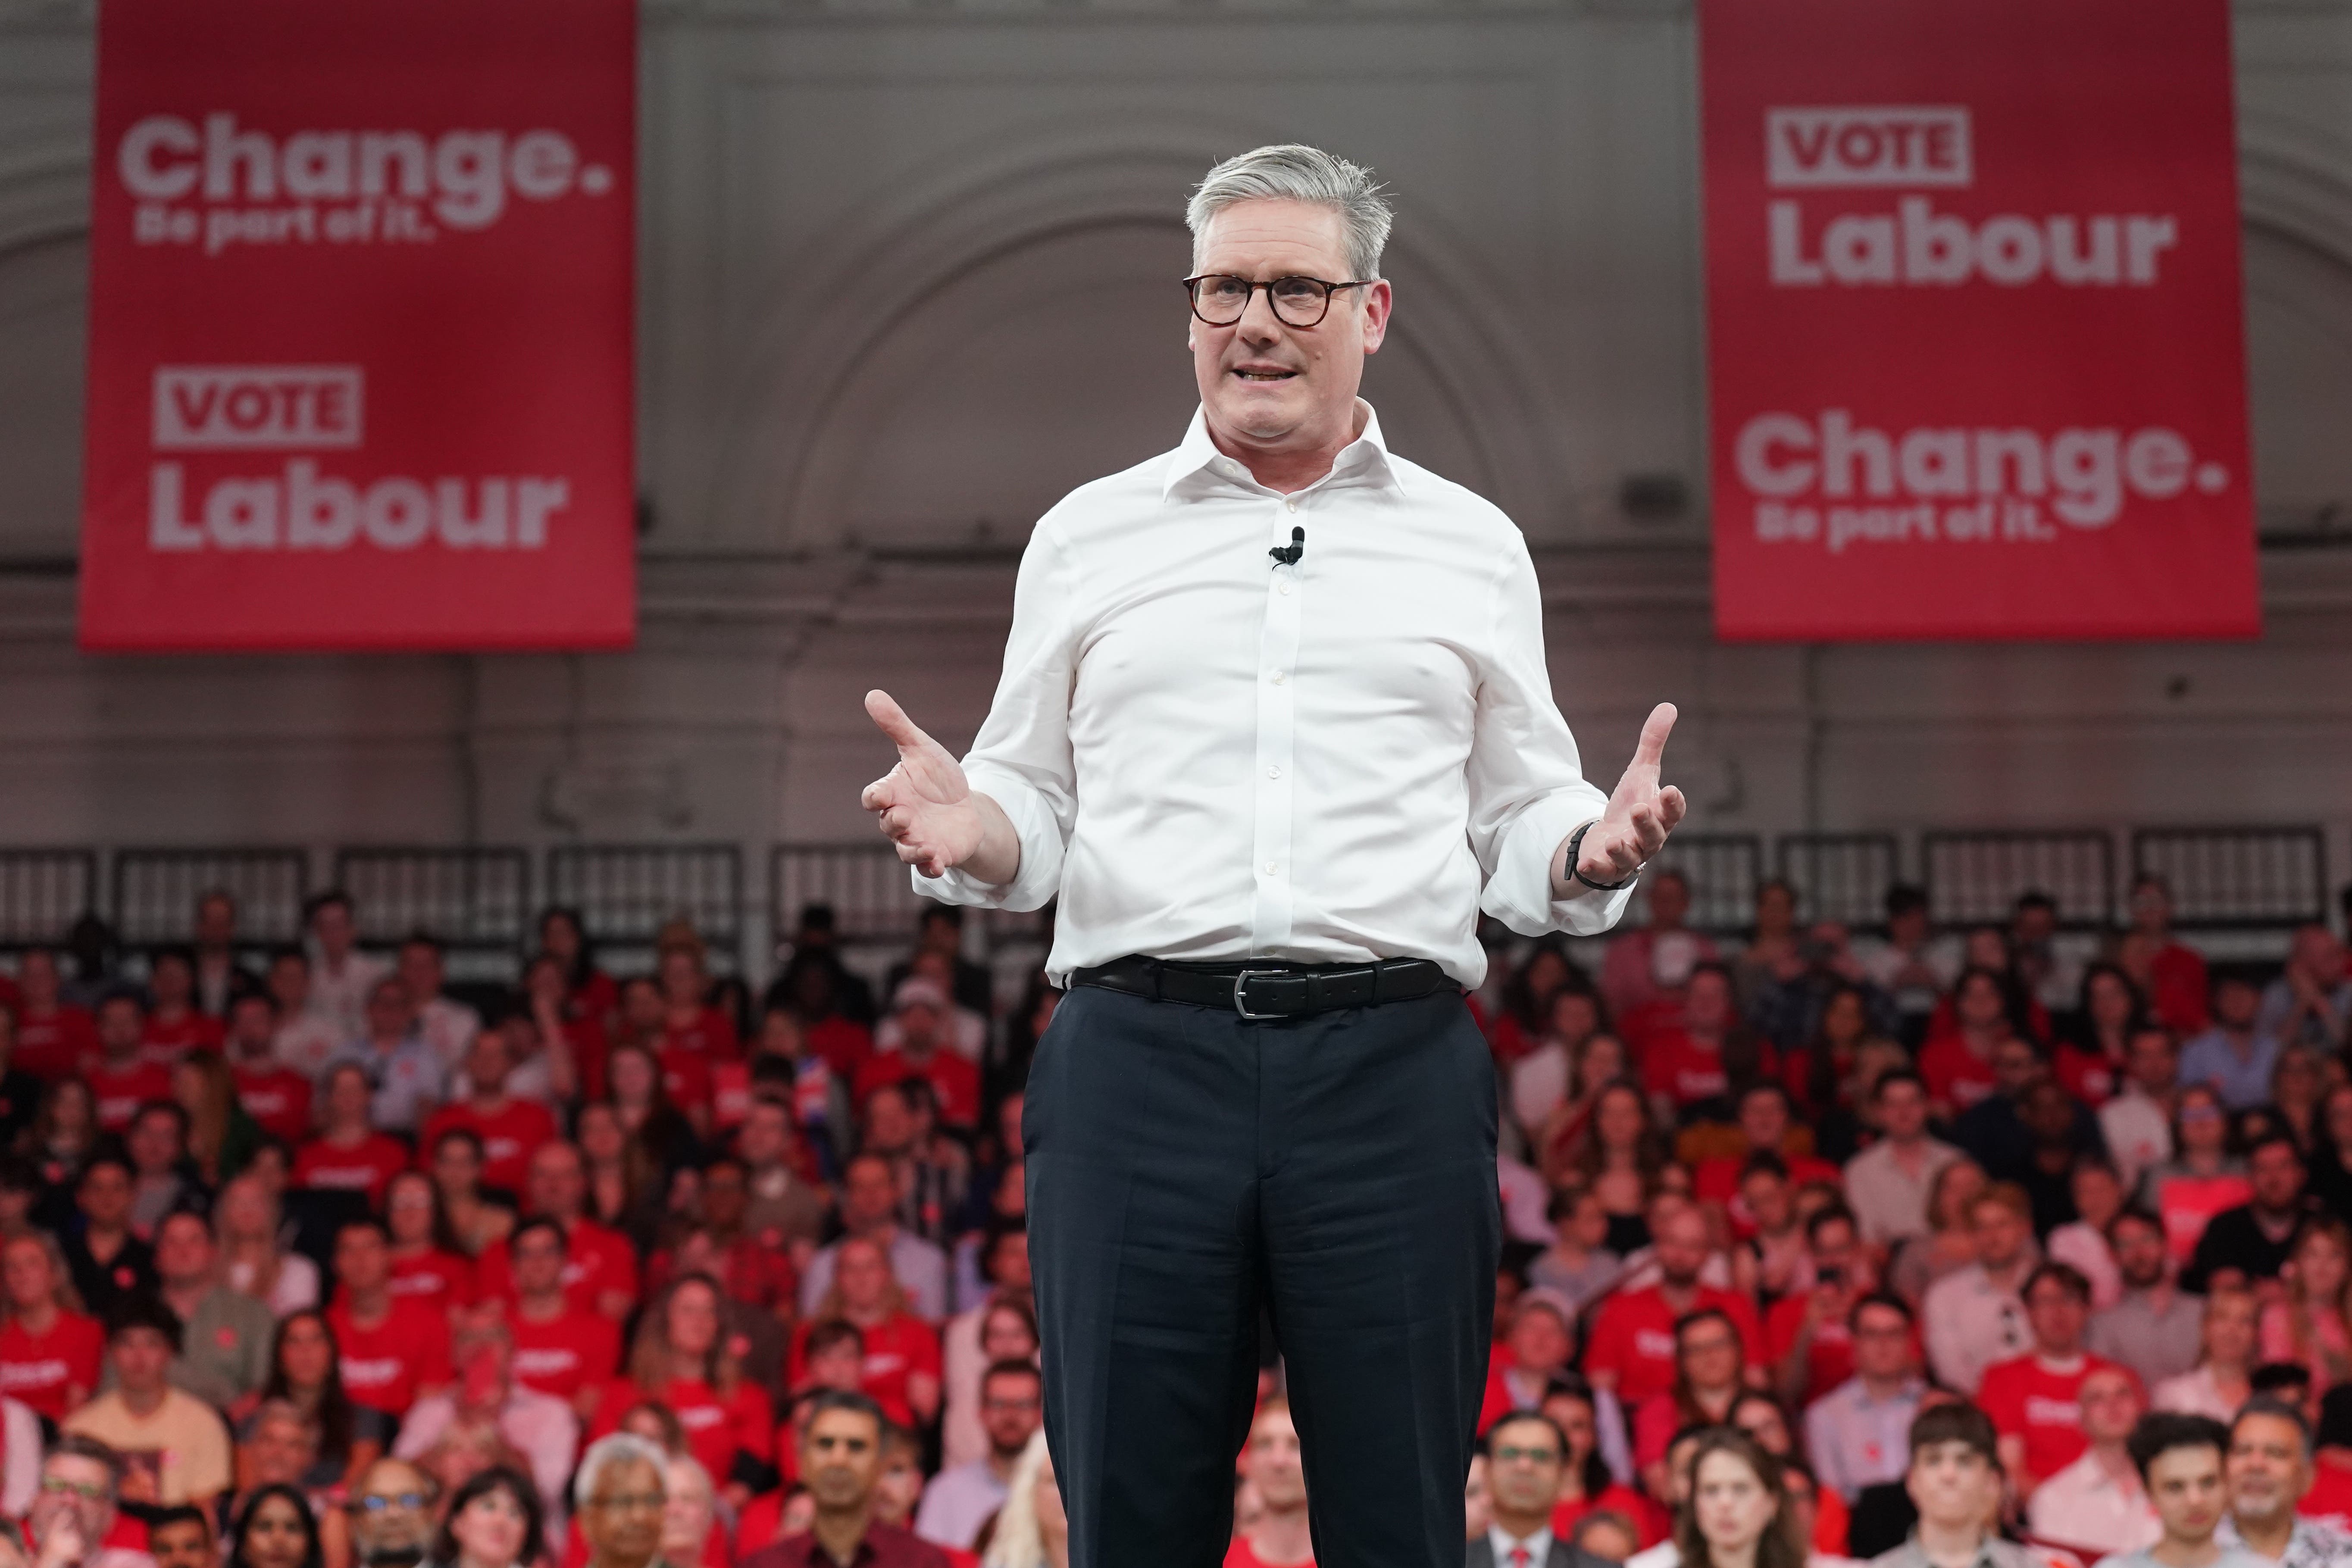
(1640, 815)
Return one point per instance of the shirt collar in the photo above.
(1197, 454)
(1538, 1545)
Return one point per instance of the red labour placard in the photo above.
(361, 313)
(1976, 339)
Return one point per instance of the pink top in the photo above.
(2327, 1335)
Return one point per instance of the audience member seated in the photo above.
(682, 1360)
(1276, 1535)
(2098, 1504)
(840, 1460)
(394, 1351)
(506, 1129)
(2153, 1328)
(2310, 1004)
(406, 1071)
(72, 1520)
(123, 1076)
(1974, 1315)
(172, 1446)
(108, 1261)
(226, 1335)
(51, 1355)
(2035, 1399)
(2250, 1243)
(919, 1045)
(869, 1209)
(540, 1426)
(1888, 1184)
(349, 1154)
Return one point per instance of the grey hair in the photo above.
(618, 1448)
(1291, 172)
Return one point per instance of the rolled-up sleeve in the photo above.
(1021, 759)
(1528, 789)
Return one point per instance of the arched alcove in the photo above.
(1044, 364)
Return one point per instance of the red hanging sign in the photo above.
(1976, 339)
(361, 314)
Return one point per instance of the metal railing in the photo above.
(2237, 879)
(1976, 878)
(627, 893)
(1841, 876)
(156, 892)
(42, 892)
(476, 899)
(1723, 871)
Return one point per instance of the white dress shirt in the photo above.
(2085, 1507)
(1208, 756)
(1537, 1546)
(1969, 1323)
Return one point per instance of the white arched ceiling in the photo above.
(43, 301)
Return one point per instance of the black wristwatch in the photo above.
(1576, 842)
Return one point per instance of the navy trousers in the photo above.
(1188, 1168)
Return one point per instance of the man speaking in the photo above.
(1274, 725)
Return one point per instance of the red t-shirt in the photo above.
(57, 1044)
(1240, 1554)
(955, 1082)
(384, 1366)
(2027, 1399)
(566, 1354)
(1716, 1181)
(716, 1428)
(2187, 1204)
(39, 1370)
(2088, 1076)
(686, 1077)
(895, 1350)
(711, 1036)
(1829, 1361)
(2177, 988)
(1954, 1075)
(843, 1043)
(276, 1097)
(508, 1135)
(434, 1278)
(1634, 1338)
(2329, 1501)
(599, 1260)
(165, 1040)
(1676, 1066)
(120, 1091)
(366, 1168)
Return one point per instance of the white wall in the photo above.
(909, 273)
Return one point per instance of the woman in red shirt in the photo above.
(349, 1154)
(902, 1352)
(683, 1360)
(592, 994)
(688, 1021)
(53, 1038)
(50, 1353)
(428, 1266)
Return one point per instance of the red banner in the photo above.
(1976, 341)
(361, 312)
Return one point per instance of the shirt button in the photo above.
(1273, 773)
(1270, 868)
(1279, 678)
(1291, 504)
(1282, 588)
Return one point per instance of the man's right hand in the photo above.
(929, 809)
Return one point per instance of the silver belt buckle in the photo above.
(1241, 1006)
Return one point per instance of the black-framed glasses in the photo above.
(1220, 299)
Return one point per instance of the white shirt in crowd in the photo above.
(1889, 1202)
(2193, 1393)
(2138, 1132)
(542, 1428)
(1969, 1323)
(1525, 1201)
(958, 1502)
(2086, 1508)
(1210, 756)
(20, 1470)
(305, 1041)
(1539, 1085)
(1538, 1547)
(2081, 1245)
(338, 994)
(449, 1027)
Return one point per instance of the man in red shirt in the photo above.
(123, 1078)
(2035, 1400)
(1631, 1349)
(510, 1129)
(840, 1463)
(1764, 1124)
(559, 1348)
(54, 1041)
(600, 1273)
(272, 1093)
(922, 1051)
(394, 1351)
(174, 1025)
(1811, 1341)
(1682, 1059)
(1270, 1465)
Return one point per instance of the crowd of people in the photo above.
(1951, 1244)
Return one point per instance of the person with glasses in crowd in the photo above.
(73, 1513)
(1526, 1457)
(960, 1500)
(392, 1515)
(620, 1495)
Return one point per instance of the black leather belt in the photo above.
(1270, 989)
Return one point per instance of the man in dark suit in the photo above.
(1524, 1455)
